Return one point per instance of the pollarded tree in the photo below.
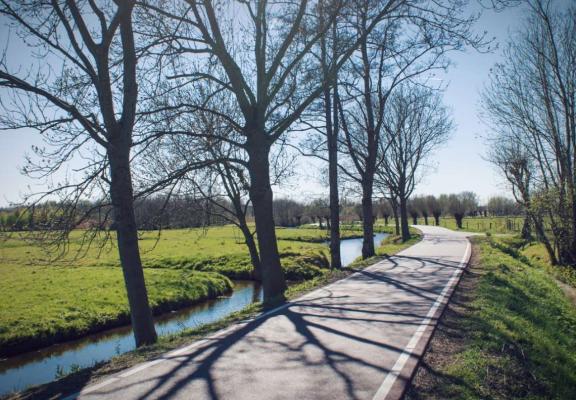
(81, 95)
(421, 205)
(461, 204)
(384, 208)
(435, 208)
(456, 208)
(414, 211)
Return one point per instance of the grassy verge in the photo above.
(76, 380)
(537, 255)
(508, 333)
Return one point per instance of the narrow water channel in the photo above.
(45, 365)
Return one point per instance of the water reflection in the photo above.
(351, 249)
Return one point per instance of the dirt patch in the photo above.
(448, 339)
(569, 291)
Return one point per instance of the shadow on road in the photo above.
(341, 332)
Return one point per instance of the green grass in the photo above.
(197, 244)
(46, 300)
(520, 334)
(483, 224)
(43, 305)
(536, 254)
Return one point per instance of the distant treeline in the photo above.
(187, 212)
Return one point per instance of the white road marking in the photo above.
(390, 379)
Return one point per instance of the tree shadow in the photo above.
(311, 319)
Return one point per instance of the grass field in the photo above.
(514, 338)
(45, 300)
(483, 224)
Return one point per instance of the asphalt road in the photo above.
(358, 338)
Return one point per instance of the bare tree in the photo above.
(416, 124)
(271, 76)
(516, 165)
(398, 50)
(530, 105)
(84, 105)
(460, 205)
(434, 207)
(421, 205)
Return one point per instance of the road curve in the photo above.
(358, 338)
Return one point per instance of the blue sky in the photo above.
(458, 165)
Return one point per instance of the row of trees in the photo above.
(205, 99)
(530, 105)
(187, 212)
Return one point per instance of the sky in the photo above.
(457, 166)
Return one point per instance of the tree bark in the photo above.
(273, 281)
(542, 238)
(526, 229)
(395, 207)
(253, 250)
(458, 218)
(367, 221)
(121, 192)
(331, 133)
(405, 229)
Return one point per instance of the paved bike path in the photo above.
(358, 338)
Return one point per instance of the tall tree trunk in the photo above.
(459, 219)
(395, 207)
(331, 133)
(273, 281)
(425, 219)
(437, 219)
(253, 250)
(367, 221)
(121, 192)
(248, 237)
(526, 229)
(404, 219)
(542, 238)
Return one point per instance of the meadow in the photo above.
(47, 299)
(511, 225)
